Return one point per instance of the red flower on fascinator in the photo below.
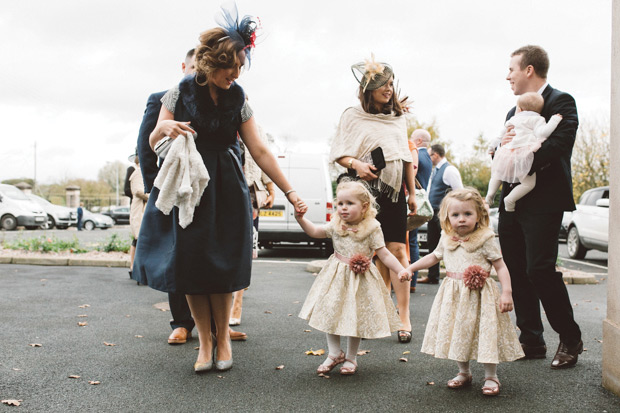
(474, 277)
(359, 263)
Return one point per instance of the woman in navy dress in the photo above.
(211, 257)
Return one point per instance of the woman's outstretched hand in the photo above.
(300, 206)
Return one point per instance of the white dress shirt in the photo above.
(451, 176)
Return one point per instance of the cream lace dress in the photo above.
(467, 324)
(344, 303)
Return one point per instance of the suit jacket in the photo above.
(148, 159)
(554, 183)
(425, 167)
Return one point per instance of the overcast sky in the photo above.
(76, 74)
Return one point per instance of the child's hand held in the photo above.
(404, 275)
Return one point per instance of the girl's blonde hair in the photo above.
(362, 192)
(464, 195)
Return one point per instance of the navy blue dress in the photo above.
(214, 253)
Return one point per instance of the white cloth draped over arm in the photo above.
(182, 179)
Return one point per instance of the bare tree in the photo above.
(590, 160)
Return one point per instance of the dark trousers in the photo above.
(414, 253)
(529, 245)
(181, 314)
(433, 236)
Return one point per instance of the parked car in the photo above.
(120, 215)
(589, 224)
(91, 220)
(17, 210)
(58, 216)
(309, 175)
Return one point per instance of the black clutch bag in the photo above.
(377, 158)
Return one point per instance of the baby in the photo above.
(512, 162)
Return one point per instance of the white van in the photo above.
(308, 174)
(17, 210)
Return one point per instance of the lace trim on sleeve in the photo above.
(169, 100)
(246, 112)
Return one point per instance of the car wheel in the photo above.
(50, 224)
(89, 225)
(576, 249)
(8, 222)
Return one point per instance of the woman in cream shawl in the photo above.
(378, 122)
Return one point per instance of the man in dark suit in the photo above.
(420, 139)
(182, 322)
(529, 236)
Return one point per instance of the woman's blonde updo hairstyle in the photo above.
(362, 192)
(216, 51)
(464, 195)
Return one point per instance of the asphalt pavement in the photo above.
(138, 371)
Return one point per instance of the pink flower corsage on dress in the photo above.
(474, 277)
(359, 263)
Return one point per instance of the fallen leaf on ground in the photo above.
(588, 301)
(84, 306)
(363, 352)
(318, 352)
(290, 315)
(268, 312)
(296, 302)
(422, 295)
(127, 316)
(16, 369)
(94, 382)
(324, 376)
(600, 341)
(35, 345)
(43, 279)
(280, 367)
(11, 402)
(82, 315)
(220, 377)
(307, 331)
(74, 376)
(403, 359)
(82, 323)
(269, 272)
(196, 348)
(407, 352)
(108, 344)
(430, 383)
(138, 336)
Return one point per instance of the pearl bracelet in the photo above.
(288, 192)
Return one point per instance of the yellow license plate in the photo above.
(270, 213)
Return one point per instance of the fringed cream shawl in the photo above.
(360, 132)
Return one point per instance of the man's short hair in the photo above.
(439, 150)
(190, 54)
(535, 56)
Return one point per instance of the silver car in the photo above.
(58, 216)
(589, 224)
(91, 220)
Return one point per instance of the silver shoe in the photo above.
(222, 365)
(203, 367)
